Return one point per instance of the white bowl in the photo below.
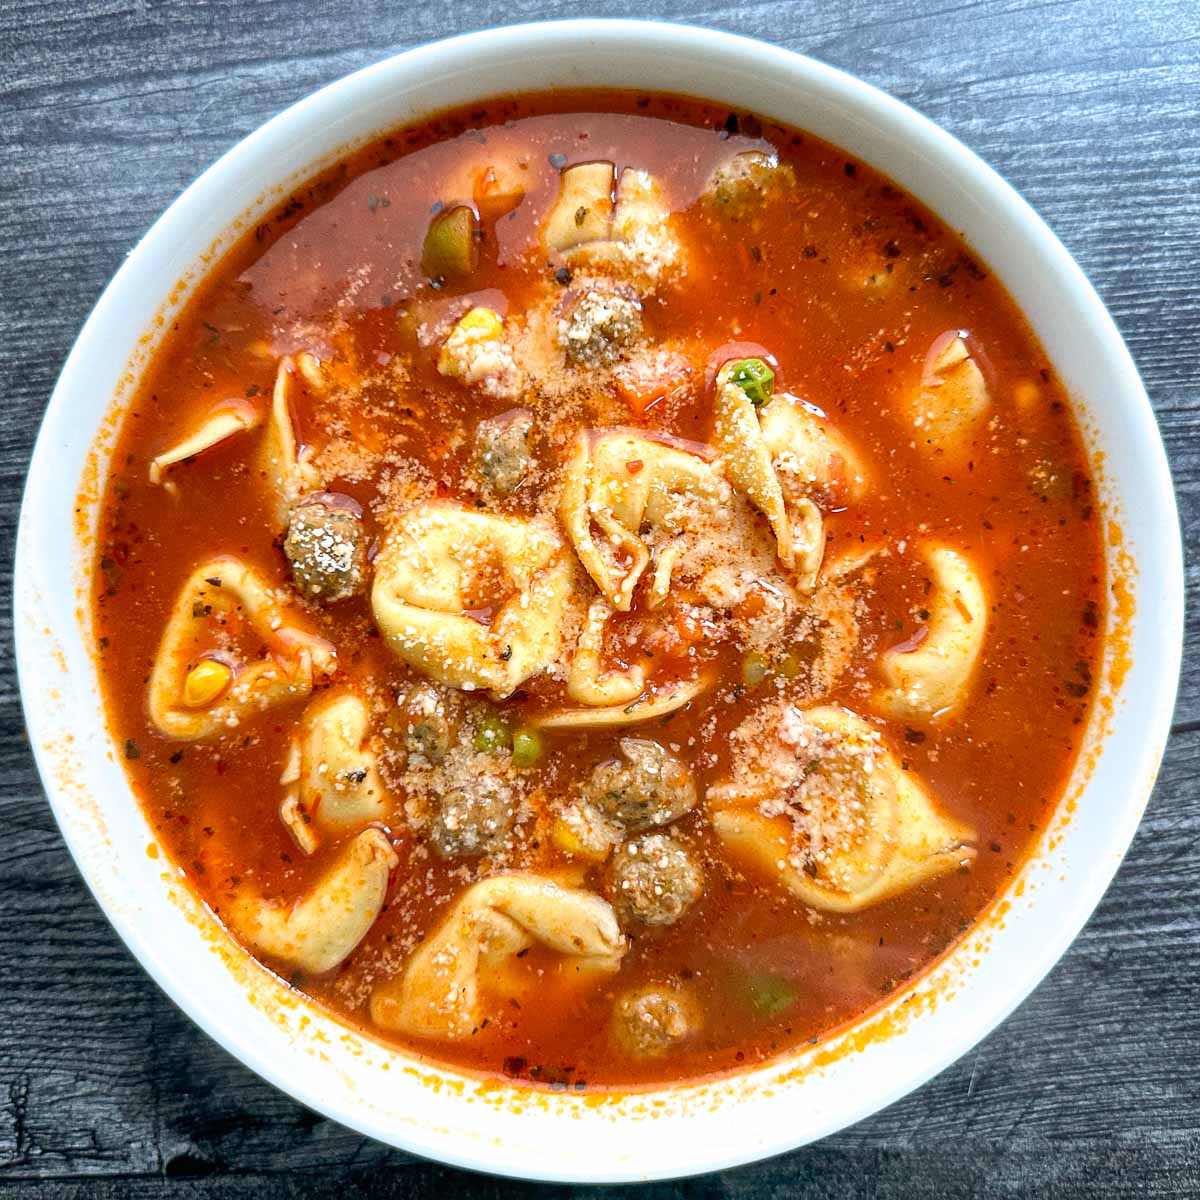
(675, 1131)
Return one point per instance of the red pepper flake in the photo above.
(964, 611)
(634, 465)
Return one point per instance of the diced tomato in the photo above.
(644, 383)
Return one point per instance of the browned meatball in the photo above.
(473, 820)
(647, 1022)
(738, 187)
(646, 787)
(602, 324)
(427, 725)
(502, 455)
(327, 547)
(654, 880)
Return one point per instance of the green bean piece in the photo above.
(755, 378)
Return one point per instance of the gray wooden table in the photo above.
(109, 107)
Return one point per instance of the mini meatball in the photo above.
(474, 820)
(654, 880)
(647, 787)
(647, 1022)
(428, 732)
(327, 547)
(603, 323)
(502, 456)
(739, 185)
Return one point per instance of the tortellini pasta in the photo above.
(321, 929)
(286, 462)
(205, 679)
(824, 807)
(583, 211)
(443, 989)
(747, 463)
(649, 706)
(624, 494)
(779, 456)
(588, 681)
(934, 676)
(952, 398)
(808, 453)
(331, 779)
(224, 421)
(472, 599)
(623, 232)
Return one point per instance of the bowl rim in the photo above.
(926, 138)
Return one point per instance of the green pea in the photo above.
(755, 378)
(768, 995)
(493, 735)
(526, 748)
(754, 668)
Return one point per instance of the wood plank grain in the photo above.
(110, 107)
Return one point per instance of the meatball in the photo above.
(654, 880)
(327, 547)
(428, 732)
(502, 457)
(648, 1021)
(742, 183)
(647, 787)
(474, 820)
(603, 323)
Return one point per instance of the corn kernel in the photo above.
(205, 682)
(567, 839)
(1027, 395)
(482, 321)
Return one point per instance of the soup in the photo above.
(599, 589)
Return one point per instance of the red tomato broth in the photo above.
(846, 285)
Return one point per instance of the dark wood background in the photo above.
(1091, 108)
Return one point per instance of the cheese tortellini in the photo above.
(442, 992)
(321, 929)
(952, 398)
(819, 803)
(226, 420)
(286, 462)
(471, 599)
(588, 680)
(779, 454)
(331, 779)
(934, 677)
(626, 499)
(621, 231)
(206, 678)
